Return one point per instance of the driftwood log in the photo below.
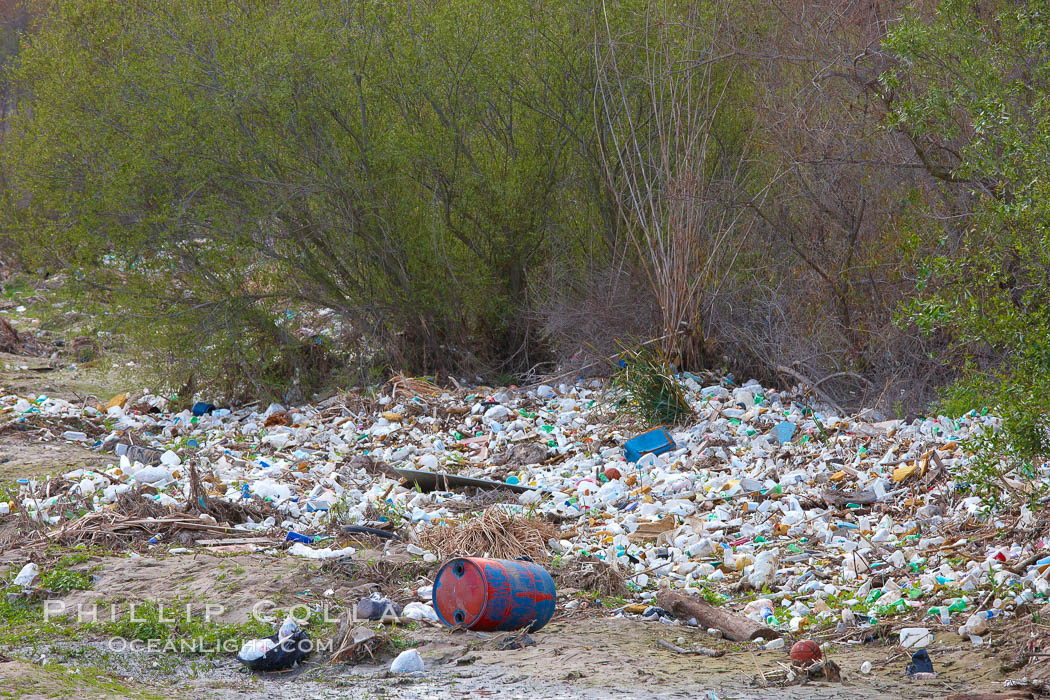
(734, 627)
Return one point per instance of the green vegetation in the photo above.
(65, 580)
(58, 575)
(647, 380)
(239, 165)
(239, 176)
(399, 638)
(713, 597)
(58, 680)
(171, 626)
(22, 621)
(394, 513)
(970, 89)
(166, 626)
(266, 199)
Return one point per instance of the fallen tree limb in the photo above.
(836, 375)
(1021, 567)
(734, 627)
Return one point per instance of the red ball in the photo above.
(612, 473)
(806, 652)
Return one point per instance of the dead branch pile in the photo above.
(24, 343)
(135, 517)
(494, 533)
(110, 527)
(131, 504)
(385, 572)
(234, 513)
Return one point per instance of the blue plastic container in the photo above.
(201, 408)
(654, 442)
(784, 431)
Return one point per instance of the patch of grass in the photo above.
(713, 597)
(815, 624)
(950, 591)
(9, 491)
(610, 601)
(22, 621)
(339, 513)
(838, 601)
(150, 623)
(395, 513)
(400, 640)
(63, 579)
(15, 286)
(319, 628)
(75, 557)
(647, 380)
(59, 575)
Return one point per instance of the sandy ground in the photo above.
(24, 455)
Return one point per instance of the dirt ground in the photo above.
(27, 375)
(52, 680)
(596, 657)
(23, 455)
(587, 654)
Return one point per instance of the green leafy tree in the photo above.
(971, 91)
(211, 169)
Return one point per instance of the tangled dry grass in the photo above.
(590, 574)
(493, 533)
(411, 387)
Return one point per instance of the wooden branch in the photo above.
(836, 375)
(733, 626)
(699, 651)
(816, 389)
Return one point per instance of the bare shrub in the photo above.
(678, 160)
(586, 317)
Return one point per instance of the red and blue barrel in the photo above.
(493, 594)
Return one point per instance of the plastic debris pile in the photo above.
(797, 518)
